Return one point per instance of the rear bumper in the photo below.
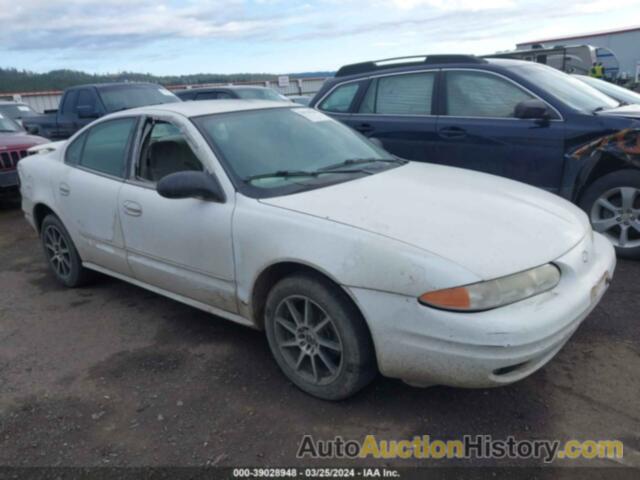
(424, 346)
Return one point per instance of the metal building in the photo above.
(624, 43)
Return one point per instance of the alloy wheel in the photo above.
(57, 250)
(308, 339)
(616, 214)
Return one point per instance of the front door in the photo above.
(182, 246)
(477, 130)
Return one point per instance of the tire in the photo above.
(61, 254)
(612, 203)
(342, 342)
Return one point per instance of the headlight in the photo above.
(494, 293)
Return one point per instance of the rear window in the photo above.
(409, 94)
(105, 148)
(257, 94)
(17, 111)
(124, 97)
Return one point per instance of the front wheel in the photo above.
(613, 206)
(318, 338)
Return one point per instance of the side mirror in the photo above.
(32, 130)
(532, 109)
(86, 111)
(190, 184)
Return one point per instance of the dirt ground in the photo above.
(113, 375)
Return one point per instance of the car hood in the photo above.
(20, 139)
(489, 225)
(628, 111)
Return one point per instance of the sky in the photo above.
(168, 37)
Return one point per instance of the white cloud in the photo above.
(599, 6)
(454, 5)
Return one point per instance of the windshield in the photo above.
(17, 111)
(614, 91)
(565, 88)
(8, 125)
(121, 97)
(258, 94)
(283, 150)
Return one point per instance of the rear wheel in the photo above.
(318, 337)
(613, 205)
(61, 253)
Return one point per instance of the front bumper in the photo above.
(9, 179)
(424, 346)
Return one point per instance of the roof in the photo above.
(221, 87)
(584, 35)
(114, 84)
(10, 102)
(208, 107)
(404, 62)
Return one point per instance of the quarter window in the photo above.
(164, 151)
(477, 94)
(106, 147)
(409, 94)
(74, 151)
(341, 98)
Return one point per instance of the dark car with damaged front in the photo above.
(512, 118)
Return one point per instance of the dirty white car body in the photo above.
(382, 239)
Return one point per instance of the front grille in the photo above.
(10, 158)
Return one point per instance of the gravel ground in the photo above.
(113, 375)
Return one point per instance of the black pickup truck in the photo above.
(82, 104)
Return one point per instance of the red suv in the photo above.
(14, 142)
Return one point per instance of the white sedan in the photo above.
(353, 261)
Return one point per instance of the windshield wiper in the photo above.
(282, 174)
(302, 173)
(360, 161)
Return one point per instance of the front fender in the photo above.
(352, 257)
(622, 147)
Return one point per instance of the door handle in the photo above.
(64, 189)
(452, 132)
(364, 128)
(132, 208)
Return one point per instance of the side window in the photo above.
(86, 100)
(341, 98)
(223, 96)
(164, 151)
(105, 149)
(69, 103)
(74, 151)
(409, 94)
(478, 94)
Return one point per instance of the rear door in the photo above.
(397, 109)
(477, 130)
(88, 191)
